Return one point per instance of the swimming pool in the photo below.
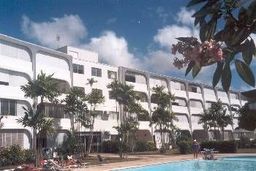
(242, 163)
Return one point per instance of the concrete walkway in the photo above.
(141, 160)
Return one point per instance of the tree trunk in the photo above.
(223, 136)
(91, 137)
(162, 138)
(34, 147)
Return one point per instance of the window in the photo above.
(96, 72)
(78, 69)
(54, 110)
(10, 138)
(110, 94)
(194, 89)
(130, 78)
(113, 115)
(4, 83)
(154, 98)
(112, 75)
(8, 107)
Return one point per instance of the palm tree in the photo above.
(128, 103)
(43, 87)
(94, 98)
(247, 118)
(76, 108)
(216, 117)
(162, 116)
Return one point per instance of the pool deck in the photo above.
(144, 160)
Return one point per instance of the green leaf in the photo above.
(184, 39)
(217, 74)
(226, 77)
(190, 66)
(194, 2)
(211, 27)
(203, 32)
(219, 36)
(247, 52)
(195, 70)
(245, 72)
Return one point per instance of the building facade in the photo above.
(72, 67)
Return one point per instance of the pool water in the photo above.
(243, 163)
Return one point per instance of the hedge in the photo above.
(185, 147)
(15, 155)
(221, 146)
(110, 146)
(142, 146)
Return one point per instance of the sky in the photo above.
(132, 33)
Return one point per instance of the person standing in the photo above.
(195, 148)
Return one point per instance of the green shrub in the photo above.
(221, 146)
(15, 155)
(110, 147)
(185, 147)
(151, 146)
(244, 142)
(183, 135)
(69, 146)
(142, 146)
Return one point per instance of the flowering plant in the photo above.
(220, 47)
(201, 54)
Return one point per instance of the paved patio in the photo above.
(141, 160)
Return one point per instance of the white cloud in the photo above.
(70, 29)
(184, 16)
(158, 61)
(167, 35)
(113, 50)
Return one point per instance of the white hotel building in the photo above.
(22, 61)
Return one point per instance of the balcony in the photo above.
(196, 110)
(9, 92)
(179, 93)
(197, 96)
(194, 122)
(16, 65)
(179, 109)
(182, 123)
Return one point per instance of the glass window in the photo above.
(78, 68)
(96, 72)
(130, 78)
(8, 107)
(4, 83)
(112, 75)
(194, 89)
(54, 110)
(110, 93)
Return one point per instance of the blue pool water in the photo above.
(243, 163)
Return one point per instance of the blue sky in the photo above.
(133, 33)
